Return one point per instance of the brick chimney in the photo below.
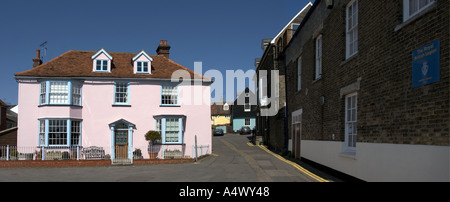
(163, 49)
(37, 61)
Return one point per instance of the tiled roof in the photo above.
(79, 64)
(218, 110)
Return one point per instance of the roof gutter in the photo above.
(110, 78)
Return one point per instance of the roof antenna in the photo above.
(43, 48)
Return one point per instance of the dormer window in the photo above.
(142, 63)
(142, 67)
(102, 61)
(102, 66)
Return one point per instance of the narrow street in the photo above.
(233, 160)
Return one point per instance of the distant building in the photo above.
(221, 116)
(242, 111)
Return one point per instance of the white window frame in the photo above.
(299, 73)
(249, 122)
(169, 95)
(121, 97)
(60, 93)
(319, 45)
(59, 132)
(407, 14)
(103, 64)
(352, 28)
(247, 105)
(263, 88)
(167, 124)
(141, 65)
(43, 94)
(226, 107)
(351, 121)
(76, 94)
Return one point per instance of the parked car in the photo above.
(245, 130)
(218, 132)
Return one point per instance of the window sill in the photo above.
(317, 79)
(121, 105)
(416, 16)
(349, 58)
(351, 154)
(182, 144)
(58, 146)
(169, 106)
(98, 71)
(60, 105)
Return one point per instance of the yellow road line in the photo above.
(250, 144)
(294, 164)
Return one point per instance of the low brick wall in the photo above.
(161, 161)
(84, 163)
(53, 164)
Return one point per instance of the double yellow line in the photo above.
(312, 175)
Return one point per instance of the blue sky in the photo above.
(224, 35)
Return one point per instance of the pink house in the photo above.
(109, 101)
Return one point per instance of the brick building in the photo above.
(368, 88)
(271, 116)
(8, 123)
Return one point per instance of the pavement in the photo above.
(233, 159)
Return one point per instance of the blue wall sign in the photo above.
(426, 64)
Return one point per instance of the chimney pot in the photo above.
(163, 49)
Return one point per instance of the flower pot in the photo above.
(153, 155)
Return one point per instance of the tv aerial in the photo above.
(43, 48)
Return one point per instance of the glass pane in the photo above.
(353, 101)
(350, 141)
(139, 66)
(99, 65)
(105, 65)
(423, 3)
(353, 115)
(350, 128)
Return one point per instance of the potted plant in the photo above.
(14, 155)
(154, 138)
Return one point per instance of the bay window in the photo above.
(59, 132)
(171, 129)
(60, 93)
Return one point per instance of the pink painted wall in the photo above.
(98, 112)
(28, 125)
